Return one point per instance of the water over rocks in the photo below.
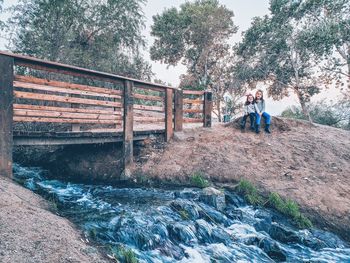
(187, 225)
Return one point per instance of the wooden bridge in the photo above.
(48, 103)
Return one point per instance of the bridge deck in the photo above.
(69, 138)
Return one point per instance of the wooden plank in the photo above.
(178, 110)
(62, 109)
(148, 97)
(67, 85)
(6, 100)
(24, 85)
(63, 120)
(188, 101)
(148, 108)
(56, 98)
(148, 119)
(128, 129)
(53, 114)
(208, 108)
(193, 110)
(192, 120)
(193, 92)
(169, 131)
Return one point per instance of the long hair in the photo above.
(248, 102)
(262, 95)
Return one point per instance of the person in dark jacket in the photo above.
(249, 110)
(259, 104)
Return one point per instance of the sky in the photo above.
(244, 11)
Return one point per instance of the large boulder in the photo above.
(213, 197)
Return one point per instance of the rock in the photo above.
(234, 199)
(204, 230)
(213, 197)
(221, 236)
(182, 233)
(272, 249)
(187, 194)
(186, 209)
(211, 215)
(235, 214)
(283, 234)
(324, 239)
(264, 221)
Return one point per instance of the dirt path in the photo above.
(29, 233)
(308, 164)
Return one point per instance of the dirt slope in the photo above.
(29, 233)
(307, 163)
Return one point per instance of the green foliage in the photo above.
(250, 193)
(93, 34)
(197, 36)
(331, 114)
(198, 180)
(271, 52)
(290, 209)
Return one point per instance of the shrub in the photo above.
(198, 180)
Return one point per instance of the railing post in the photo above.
(178, 104)
(128, 128)
(169, 131)
(6, 115)
(207, 108)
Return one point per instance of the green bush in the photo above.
(198, 180)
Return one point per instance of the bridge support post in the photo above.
(128, 128)
(178, 105)
(207, 108)
(169, 130)
(6, 115)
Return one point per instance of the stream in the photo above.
(182, 224)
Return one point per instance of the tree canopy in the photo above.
(104, 35)
(271, 52)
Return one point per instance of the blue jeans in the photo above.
(244, 120)
(265, 115)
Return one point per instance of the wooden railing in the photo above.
(45, 95)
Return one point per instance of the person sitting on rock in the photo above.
(259, 104)
(249, 110)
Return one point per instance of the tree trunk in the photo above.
(304, 108)
(218, 108)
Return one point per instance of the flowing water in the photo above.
(183, 225)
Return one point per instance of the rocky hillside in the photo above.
(309, 164)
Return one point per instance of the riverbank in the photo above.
(30, 233)
(309, 164)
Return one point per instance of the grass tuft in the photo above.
(286, 207)
(250, 193)
(199, 181)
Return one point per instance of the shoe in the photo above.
(267, 128)
(257, 128)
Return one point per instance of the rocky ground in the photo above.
(306, 163)
(30, 233)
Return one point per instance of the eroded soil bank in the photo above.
(306, 163)
(29, 233)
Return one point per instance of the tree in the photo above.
(103, 35)
(271, 52)
(197, 36)
(327, 34)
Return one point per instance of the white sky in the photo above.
(244, 11)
